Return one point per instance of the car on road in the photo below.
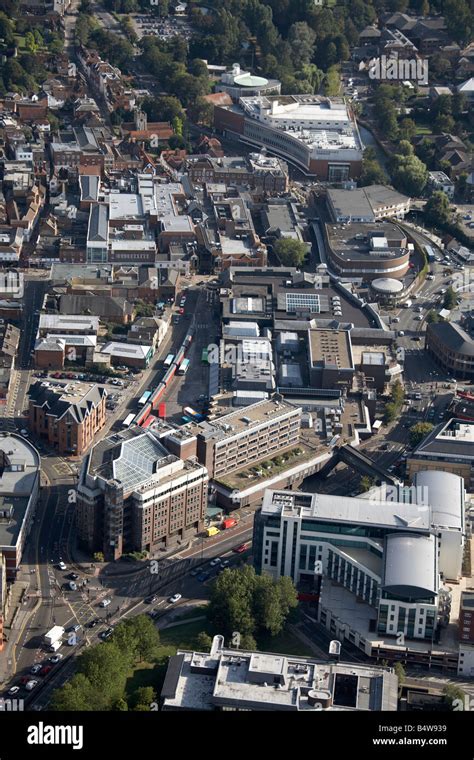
(151, 599)
(203, 576)
(240, 549)
(45, 670)
(105, 602)
(93, 623)
(401, 333)
(62, 566)
(225, 563)
(175, 598)
(56, 658)
(215, 562)
(14, 690)
(35, 669)
(31, 685)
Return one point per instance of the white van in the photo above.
(105, 602)
(55, 646)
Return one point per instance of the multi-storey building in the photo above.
(452, 347)
(256, 171)
(247, 436)
(450, 446)
(69, 418)
(232, 679)
(133, 495)
(466, 616)
(19, 491)
(319, 135)
(380, 563)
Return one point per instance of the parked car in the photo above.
(151, 599)
(73, 576)
(216, 561)
(31, 685)
(14, 690)
(93, 623)
(203, 576)
(175, 598)
(62, 566)
(56, 658)
(45, 670)
(104, 635)
(35, 669)
(73, 628)
(105, 602)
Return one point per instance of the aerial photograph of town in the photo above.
(236, 365)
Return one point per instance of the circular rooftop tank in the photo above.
(387, 285)
(247, 80)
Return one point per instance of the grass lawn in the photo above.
(195, 612)
(183, 636)
(285, 643)
(423, 129)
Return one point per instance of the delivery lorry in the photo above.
(54, 635)
(55, 646)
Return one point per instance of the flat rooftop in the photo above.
(454, 438)
(353, 241)
(243, 419)
(21, 464)
(267, 681)
(330, 348)
(68, 322)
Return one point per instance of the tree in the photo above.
(459, 20)
(302, 39)
(397, 393)
(332, 82)
(201, 112)
(437, 208)
(450, 298)
(138, 637)
(77, 694)
(372, 174)
(244, 602)
(409, 174)
(204, 641)
(366, 483)
(143, 697)
(120, 705)
(98, 557)
(391, 412)
(290, 252)
(418, 432)
(454, 696)
(401, 675)
(164, 108)
(407, 129)
(433, 316)
(443, 123)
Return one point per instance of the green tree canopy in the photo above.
(290, 252)
(418, 432)
(437, 209)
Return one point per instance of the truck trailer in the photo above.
(55, 634)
